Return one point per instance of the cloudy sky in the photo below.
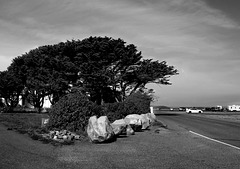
(201, 38)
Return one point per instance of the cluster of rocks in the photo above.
(101, 130)
(61, 136)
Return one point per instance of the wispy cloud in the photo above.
(196, 38)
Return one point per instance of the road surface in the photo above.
(224, 131)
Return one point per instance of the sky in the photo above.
(200, 38)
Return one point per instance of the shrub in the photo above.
(120, 110)
(117, 110)
(141, 101)
(72, 112)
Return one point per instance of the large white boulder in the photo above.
(152, 117)
(145, 121)
(138, 120)
(135, 121)
(99, 129)
(119, 127)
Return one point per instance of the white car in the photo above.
(193, 110)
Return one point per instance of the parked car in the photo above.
(182, 109)
(193, 110)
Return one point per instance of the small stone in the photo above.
(52, 132)
(45, 135)
(64, 132)
(60, 137)
(77, 137)
(70, 137)
(57, 132)
(65, 137)
(55, 138)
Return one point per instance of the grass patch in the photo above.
(22, 121)
(28, 123)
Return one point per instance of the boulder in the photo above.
(129, 130)
(135, 121)
(152, 117)
(145, 121)
(119, 127)
(99, 129)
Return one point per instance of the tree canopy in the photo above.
(10, 88)
(110, 67)
(105, 69)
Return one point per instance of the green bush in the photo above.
(72, 112)
(137, 103)
(118, 110)
(141, 101)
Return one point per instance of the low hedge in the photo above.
(141, 102)
(72, 112)
(137, 103)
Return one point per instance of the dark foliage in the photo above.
(109, 70)
(137, 103)
(118, 110)
(141, 100)
(10, 88)
(72, 112)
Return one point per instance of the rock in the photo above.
(52, 132)
(57, 132)
(65, 137)
(145, 121)
(60, 137)
(129, 130)
(76, 137)
(70, 137)
(47, 136)
(152, 117)
(135, 121)
(55, 137)
(64, 132)
(119, 127)
(99, 130)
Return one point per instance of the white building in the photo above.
(234, 108)
(25, 103)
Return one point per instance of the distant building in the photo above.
(23, 102)
(234, 108)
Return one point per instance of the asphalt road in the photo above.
(157, 148)
(217, 129)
